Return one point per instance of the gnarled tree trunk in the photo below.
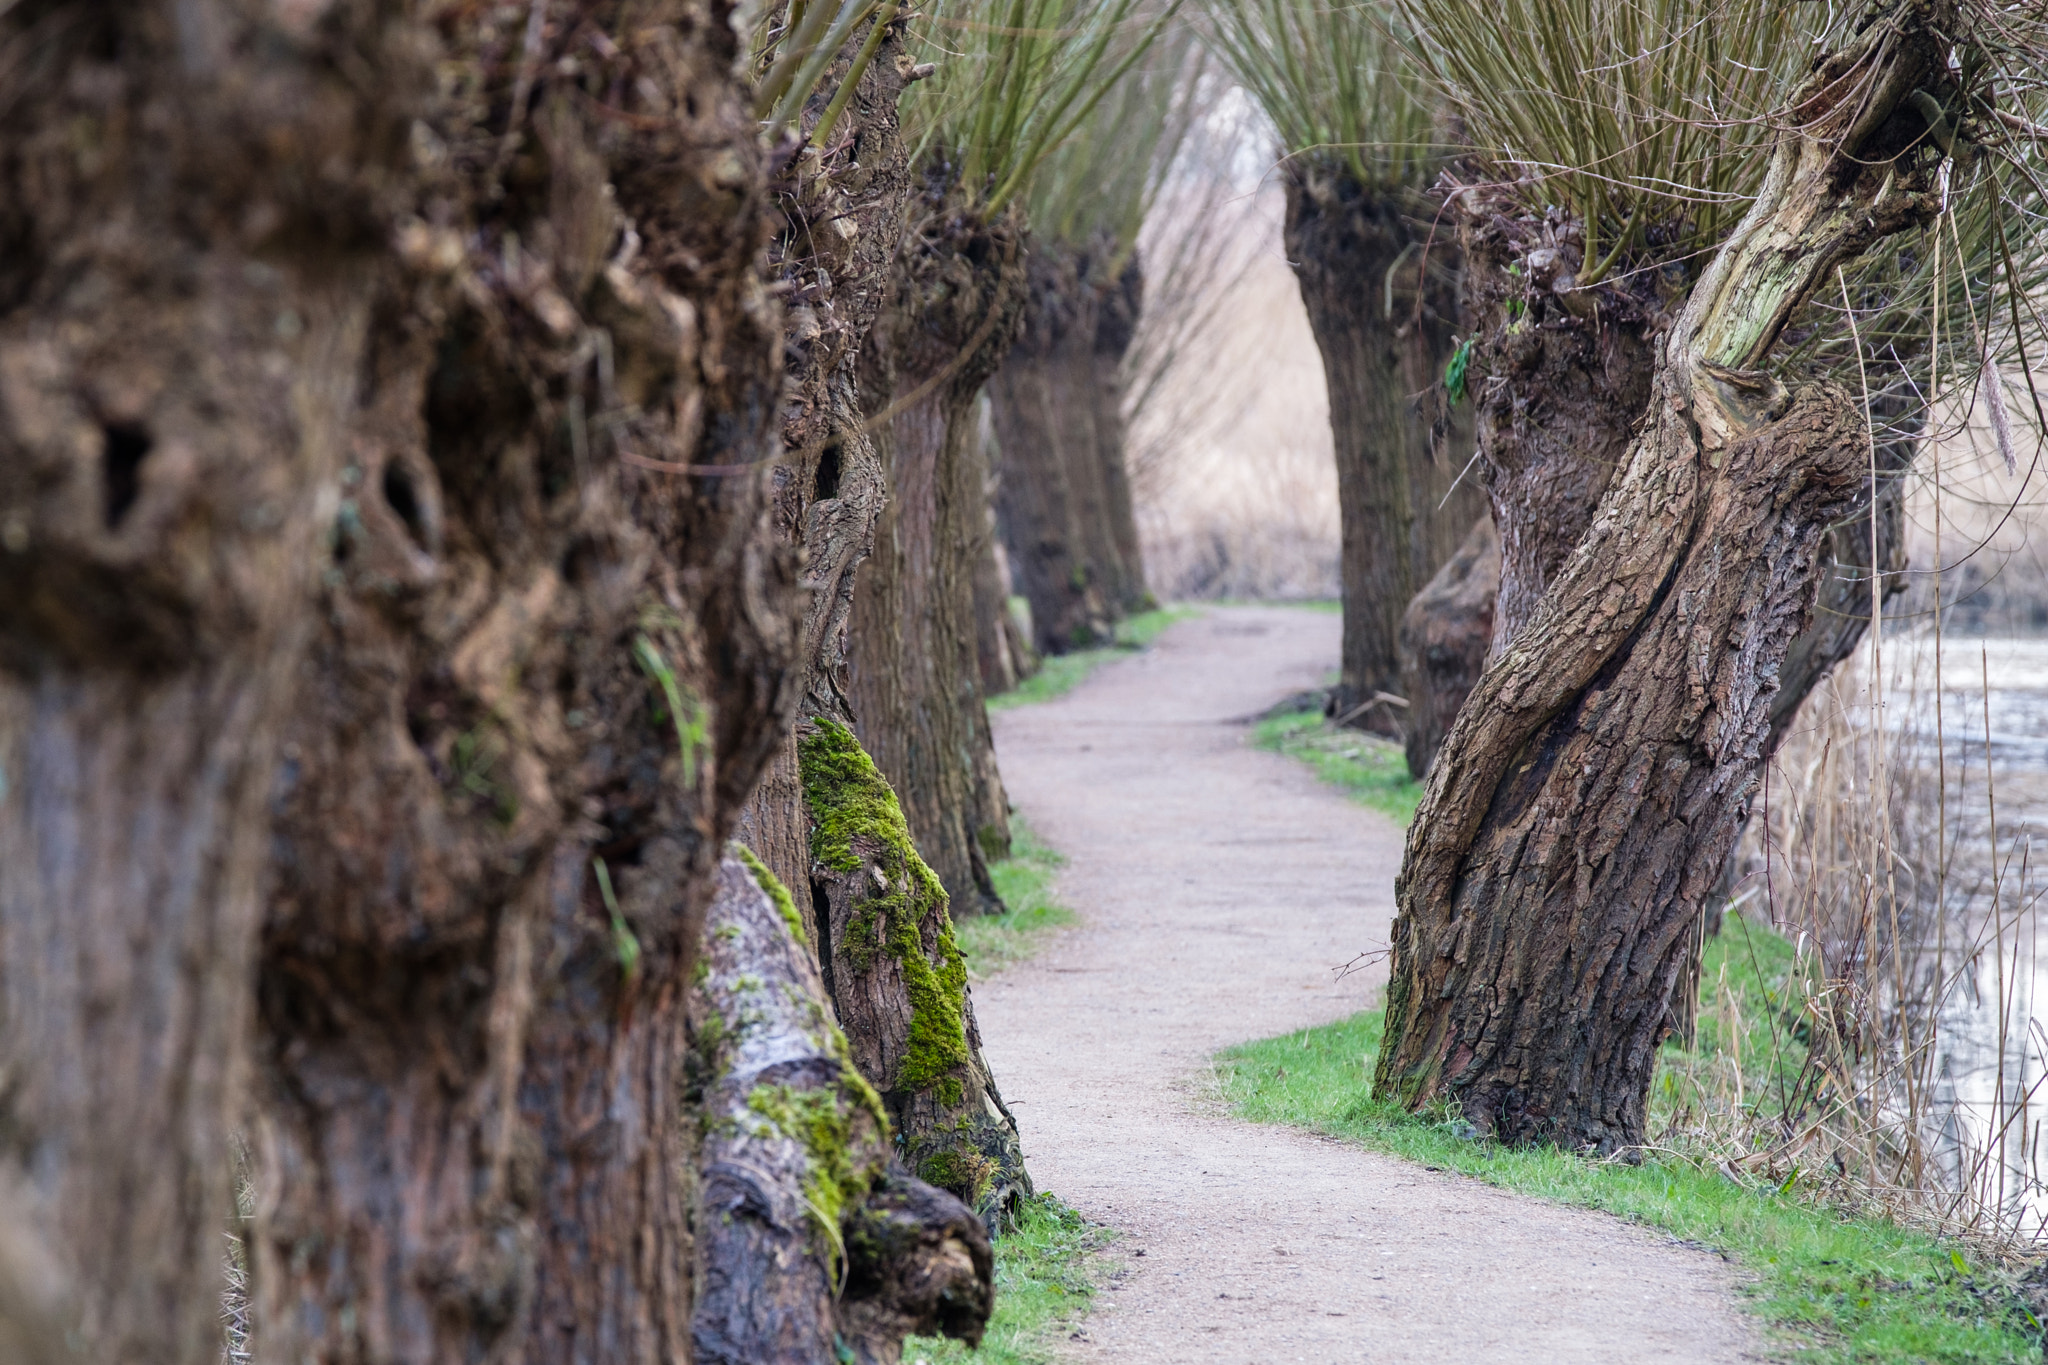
(841, 235)
(1590, 789)
(915, 677)
(551, 661)
(1381, 307)
(1116, 324)
(194, 211)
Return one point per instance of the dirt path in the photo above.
(1218, 885)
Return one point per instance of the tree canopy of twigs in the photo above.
(1100, 183)
(1013, 81)
(1335, 81)
(1629, 114)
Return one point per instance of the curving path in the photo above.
(1217, 887)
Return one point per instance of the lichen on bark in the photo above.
(816, 1244)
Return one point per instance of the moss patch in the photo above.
(785, 905)
(858, 829)
(823, 1123)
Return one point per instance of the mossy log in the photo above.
(900, 981)
(814, 1245)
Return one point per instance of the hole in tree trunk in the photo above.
(404, 500)
(826, 484)
(127, 445)
(821, 915)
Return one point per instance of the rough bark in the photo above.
(811, 1234)
(1559, 376)
(840, 236)
(193, 207)
(1444, 638)
(1589, 791)
(900, 982)
(1381, 308)
(916, 686)
(1044, 429)
(548, 668)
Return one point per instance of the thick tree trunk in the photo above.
(1116, 325)
(193, 207)
(835, 253)
(549, 667)
(812, 1235)
(1588, 793)
(916, 686)
(1360, 262)
(900, 982)
(1444, 637)
(1044, 429)
(1557, 380)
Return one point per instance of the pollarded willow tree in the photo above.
(1358, 125)
(1013, 80)
(1589, 791)
(1063, 482)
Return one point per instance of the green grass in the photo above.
(1046, 1273)
(1837, 1288)
(1059, 674)
(1024, 881)
(1373, 770)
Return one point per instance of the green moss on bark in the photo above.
(824, 1124)
(859, 830)
(785, 904)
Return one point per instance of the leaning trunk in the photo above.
(1381, 306)
(533, 705)
(193, 206)
(1042, 429)
(1590, 789)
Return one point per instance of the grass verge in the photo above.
(1024, 881)
(1836, 1287)
(1046, 1273)
(1059, 674)
(1374, 771)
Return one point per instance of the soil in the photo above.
(1219, 889)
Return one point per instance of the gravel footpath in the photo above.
(1218, 886)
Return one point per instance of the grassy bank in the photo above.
(1373, 770)
(1024, 881)
(1046, 1273)
(1059, 674)
(1836, 1287)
